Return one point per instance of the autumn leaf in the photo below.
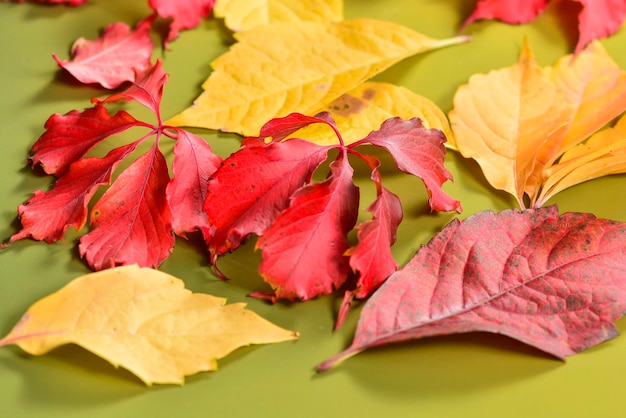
(596, 19)
(242, 15)
(553, 282)
(364, 108)
(278, 69)
(113, 58)
(144, 321)
(134, 220)
(184, 15)
(267, 189)
(517, 122)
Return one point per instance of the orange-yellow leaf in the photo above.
(518, 121)
(299, 67)
(241, 15)
(143, 320)
(364, 108)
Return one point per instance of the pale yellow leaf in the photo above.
(143, 320)
(242, 15)
(500, 119)
(602, 154)
(300, 67)
(364, 108)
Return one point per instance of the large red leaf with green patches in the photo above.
(304, 248)
(113, 58)
(194, 162)
(131, 217)
(68, 137)
(596, 19)
(418, 151)
(254, 185)
(47, 215)
(554, 282)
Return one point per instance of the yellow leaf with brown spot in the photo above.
(143, 320)
(242, 15)
(518, 121)
(278, 69)
(364, 108)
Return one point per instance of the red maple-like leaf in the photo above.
(554, 282)
(597, 18)
(294, 263)
(134, 221)
(266, 189)
(185, 14)
(113, 58)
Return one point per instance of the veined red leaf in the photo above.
(554, 282)
(47, 215)
(194, 162)
(132, 222)
(280, 128)
(253, 185)
(304, 248)
(68, 137)
(147, 89)
(114, 57)
(371, 258)
(185, 14)
(597, 18)
(418, 151)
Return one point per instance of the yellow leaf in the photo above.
(603, 154)
(516, 122)
(143, 320)
(290, 67)
(241, 15)
(364, 108)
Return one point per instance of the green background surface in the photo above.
(477, 375)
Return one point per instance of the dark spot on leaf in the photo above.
(369, 94)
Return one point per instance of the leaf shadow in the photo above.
(446, 365)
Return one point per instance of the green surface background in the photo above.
(476, 375)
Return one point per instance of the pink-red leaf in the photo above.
(194, 162)
(185, 14)
(255, 184)
(304, 249)
(554, 282)
(418, 151)
(114, 57)
(47, 215)
(147, 89)
(131, 223)
(507, 11)
(68, 137)
(280, 128)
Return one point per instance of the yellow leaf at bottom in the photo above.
(143, 320)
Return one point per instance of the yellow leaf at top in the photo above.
(282, 68)
(143, 320)
(516, 122)
(242, 15)
(364, 108)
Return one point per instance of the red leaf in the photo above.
(304, 248)
(114, 57)
(194, 162)
(132, 223)
(47, 215)
(597, 18)
(556, 283)
(372, 257)
(185, 14)
(418, 151)
(280, 128)
(147, 89)
(68, 137)
(253, 185)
